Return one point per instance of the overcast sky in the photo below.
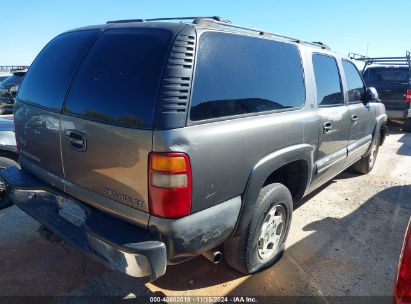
(346, 26)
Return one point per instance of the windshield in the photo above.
(383, 74)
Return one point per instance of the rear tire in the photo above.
(367, 162)
(407, 125)
(263, 243)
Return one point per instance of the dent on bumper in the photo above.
(122, 246)
(133, 264)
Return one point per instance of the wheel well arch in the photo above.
(292, 165)
(380, 128)
(383, 133)
(293, 175)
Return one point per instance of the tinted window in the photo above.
(327, 80)
(239, 75)
(381, 75)
(355, 84)
(118, 79)
(48, 78)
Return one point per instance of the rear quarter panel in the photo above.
(224, 153)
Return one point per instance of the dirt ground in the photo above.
(345, 240)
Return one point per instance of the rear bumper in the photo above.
(123, 246)
(398, 114)
(120, 245)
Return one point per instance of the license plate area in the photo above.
(72, 212)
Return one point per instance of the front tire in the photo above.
(367, 162)
(263, 243)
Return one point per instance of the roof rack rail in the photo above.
(217, 20)
(400, 61)
(208, 21)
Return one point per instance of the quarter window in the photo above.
(328, 81)
(355, 85)
(238, 75)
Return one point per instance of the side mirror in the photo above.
(371, 94)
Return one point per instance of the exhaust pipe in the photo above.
(214, 257)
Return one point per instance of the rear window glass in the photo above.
(118, 80)
(378, 75)
(49, 76)
(238, 75)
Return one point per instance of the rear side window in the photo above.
(48, 78)
(355, 84)
(328, 81)
(118, 80)
(373, 76)
(238, 75)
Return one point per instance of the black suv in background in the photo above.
(391, 76)
(8, 91)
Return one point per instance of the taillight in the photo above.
(169, 184)
(408, 96)
(402, 288)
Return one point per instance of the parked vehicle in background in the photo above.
(7, 70)
(8, 148)
(402, 286)
(8, 153)
(4, 73)
(391, 76)
(2, 77)
(136, 157)
(8, 91)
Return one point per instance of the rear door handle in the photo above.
(327, 127)
(76, 140)
(354, 118)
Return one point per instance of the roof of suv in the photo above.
(172, 26)
(172, 94)
(214, 22)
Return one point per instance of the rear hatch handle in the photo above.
(76, 140)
